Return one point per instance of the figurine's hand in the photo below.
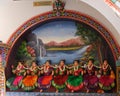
(24, 73)
(12, 66)
(67, 72)
(56, 71)
(52, 73)
(95, 72)
(84, 71)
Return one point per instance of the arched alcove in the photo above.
(28, 27)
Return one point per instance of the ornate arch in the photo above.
(67, 14)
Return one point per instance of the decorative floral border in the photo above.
(4, 52)
(67, 14)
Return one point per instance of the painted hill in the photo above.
(71, 42)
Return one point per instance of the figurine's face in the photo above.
(62, 63)
(33, 64)
(90, 62)
(19, 63)
(75, 63)
(105, 62)
(47, 64)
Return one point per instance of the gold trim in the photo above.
(42, 3)
(4, 45)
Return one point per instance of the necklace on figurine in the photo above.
(90, 67)
(46, 69)
(62, 69)
(75, 68)
(105, 67)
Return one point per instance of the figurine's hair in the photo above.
(105, 60)
(91, 60)
(76, 61)
(62, 60)
(48, 61)
(33, 61)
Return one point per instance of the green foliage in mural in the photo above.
(22, 53)
(92, 38)
(88, 35)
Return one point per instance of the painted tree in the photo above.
(22, 53)
(90, 36)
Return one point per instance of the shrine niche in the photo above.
(71, 42)
(62, 51)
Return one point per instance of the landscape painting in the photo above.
(56, 41)
(59, 42)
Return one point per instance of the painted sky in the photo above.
(56, 31)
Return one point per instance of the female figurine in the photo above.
(30, 81)
(106, 81)
(44, 82)
(15, 82)
(61, 76)
(75, 80)
(90, 77)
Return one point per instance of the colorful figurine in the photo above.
(61, 77)
(15, 82)
(44, 81)
(106, 81)
(30, 81)
(75, 80)
(90, 77)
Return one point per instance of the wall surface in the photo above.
(14, 13)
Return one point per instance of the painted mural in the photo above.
(58, 40)
(62, 56)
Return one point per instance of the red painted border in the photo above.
(62, 17)
(111, 4)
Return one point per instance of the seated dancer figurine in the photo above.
(15, 82)
(106, 81)
(75, 79)
(30, 81)
(90, 76)
(44, 81)
(61, 77)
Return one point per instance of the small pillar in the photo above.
(3, 53)
(118, 75)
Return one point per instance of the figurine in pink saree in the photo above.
(15, 82)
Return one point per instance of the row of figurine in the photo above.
(74, 77)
